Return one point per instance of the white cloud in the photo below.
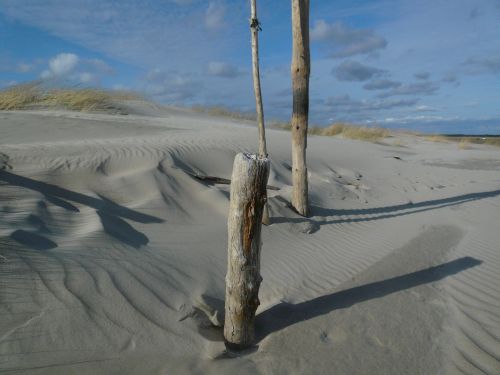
(70, 67)
(171, 86)
(170, 33)
(63, 64)
(214, 16)
(424, 108)
(86, 77)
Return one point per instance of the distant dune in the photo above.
(113, 254)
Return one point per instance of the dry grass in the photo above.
(277, 124)
(362, 133)
(464, 144)
(398, 143)
(78, 100)
(493, 141)
(365, 133)
(225, 112)
(19, 97)
(490, 141)
(32, 95)
(436, 138)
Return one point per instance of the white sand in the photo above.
(112, 257)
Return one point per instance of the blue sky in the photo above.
(425, 65)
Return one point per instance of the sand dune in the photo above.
(113, 256)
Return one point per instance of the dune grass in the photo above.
(19, 97)
(278, 124)
(493, 141)
(32, 95)
(345, 130)
(436, 138)
(221, 111)
(362, 133)
(464, 142)
(84, 99)
(398, 143)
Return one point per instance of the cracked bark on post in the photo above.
(247, 200)
(300, 85)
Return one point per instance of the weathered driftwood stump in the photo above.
(248, 197)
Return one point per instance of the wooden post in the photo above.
(248, 196)
(255, 28)
(300, 85)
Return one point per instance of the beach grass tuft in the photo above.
(33, 95)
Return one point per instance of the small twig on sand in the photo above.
(223, 181)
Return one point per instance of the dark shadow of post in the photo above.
(381, 212)
(284, 314)
(458, 199)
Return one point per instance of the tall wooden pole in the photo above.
(255, 28)
(300, 85)
(247, 199)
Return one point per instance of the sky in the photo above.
(426, 65)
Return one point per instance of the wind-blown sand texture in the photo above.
(113, 255)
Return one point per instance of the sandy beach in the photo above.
(113, 254)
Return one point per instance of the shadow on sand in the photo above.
(33, 240)
(381, 212)
(121, 230)
(285, 314)
(110, 213)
